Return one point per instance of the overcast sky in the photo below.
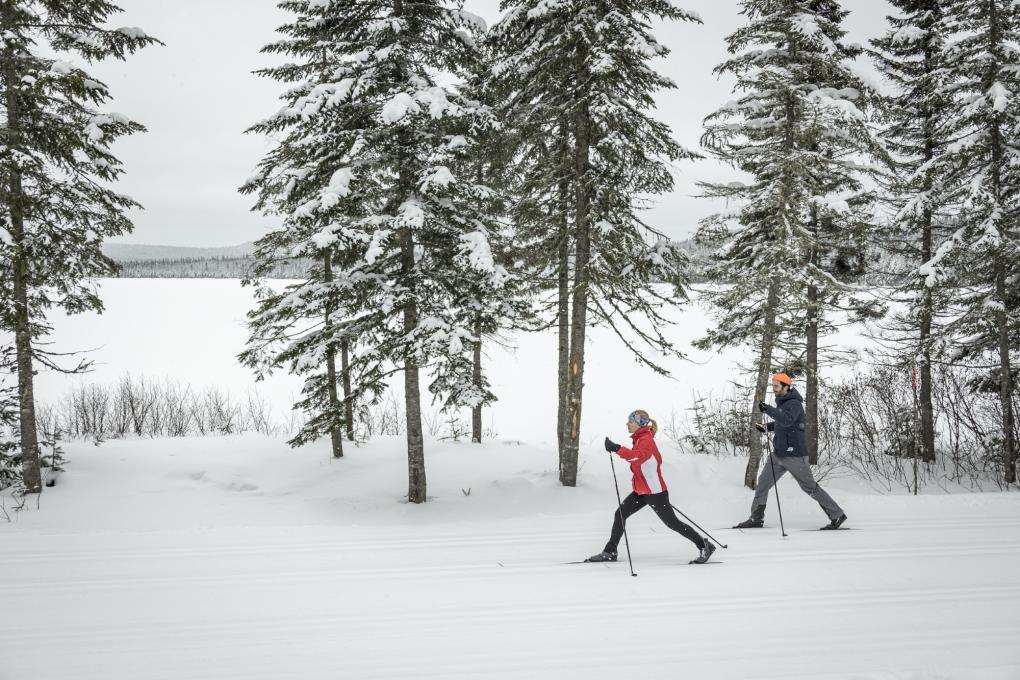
(197, 95)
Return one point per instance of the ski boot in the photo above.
(835, 524)
(755, 521)
(706, 551)
(604, 556)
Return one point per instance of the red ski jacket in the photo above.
(645, 462)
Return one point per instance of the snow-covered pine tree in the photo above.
(305, 180)
(372, 88)
(577, 84)
(981, 259)
(797, 131)
(490, 300)
(536, 163)
(296, 325)
(55, 172)
(912, 56)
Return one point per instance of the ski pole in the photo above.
(619, 504)
(775, 482)
(679, 512)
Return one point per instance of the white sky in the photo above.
(197, 95)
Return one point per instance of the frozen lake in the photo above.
(192, 330)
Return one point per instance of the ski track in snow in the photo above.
(900, 599)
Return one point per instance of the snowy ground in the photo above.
(237, 557)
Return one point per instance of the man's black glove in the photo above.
(762, 406)
(761, 427)
(611, 446)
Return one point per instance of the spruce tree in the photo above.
(797, 130)
(56, 168)
(295, 326)
(536, 163)
(981, 258)
(577, 88)
(499, 300)
(368, 102)
(912, 56)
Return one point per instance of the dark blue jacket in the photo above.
(788, 414)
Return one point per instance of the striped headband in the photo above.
(639, 419)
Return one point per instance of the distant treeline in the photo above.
(239, 267)
(207, 268)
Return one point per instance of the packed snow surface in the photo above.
(235, 557)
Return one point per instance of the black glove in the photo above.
(761, 427)
(762, 406)
(611, 446)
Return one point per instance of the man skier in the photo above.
(789, 454)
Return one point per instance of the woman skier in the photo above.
(649, 489)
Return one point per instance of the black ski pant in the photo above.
(659, 502)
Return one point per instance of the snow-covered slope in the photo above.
(237, 557)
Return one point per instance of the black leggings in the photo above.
(659, 502)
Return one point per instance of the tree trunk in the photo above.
(1005, 380)
(927, 413)
(811, 358)
(579, 301)
(345, 371)
(768, 340)
(476, 377)
(416, 489)
(28, 436)
(335, 434)
(811, 378)
(476, 358)
(1001, 320)
(563, 319)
